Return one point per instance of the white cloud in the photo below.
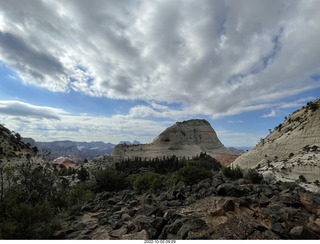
(49, 124)
(217, 58)
(298, 103)
(21, 109)
(273, 113)
(236, 139)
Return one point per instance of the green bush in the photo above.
(23, 220)
(192, 175)
(289, 185)
(66, 196)
(83, 174)
(149, 181)
(302, 178)
(232, 173)
(312, 106)
(33, 199)
(254, 176)
(110, 180)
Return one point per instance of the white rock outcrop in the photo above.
(291, 149)
(183, 139)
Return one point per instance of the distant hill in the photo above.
(237, 151)
(183, 139)
(82, 150)
(292, 150)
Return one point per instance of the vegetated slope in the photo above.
(12, 149)
(183, 139)
(291, 150)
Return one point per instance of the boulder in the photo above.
(300, 232)
(311, 202)
(228, 189)
(141, 235)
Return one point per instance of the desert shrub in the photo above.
(232, 173)
(33, 184)
(149, 181)
(302, 178)
(33, 198)
(312, 106)
(289, 185)
(67, 196)
(83, 174)
(24, 220)
(110, 179)
(191, 201)
(306, 148)
(291, 155)
(192, 175)
(254, 176)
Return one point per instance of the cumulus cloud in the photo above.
(216, 58)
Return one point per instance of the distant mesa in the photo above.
(183, 139)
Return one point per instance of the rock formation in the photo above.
(69, 162)
(291, 149)
(183, 139)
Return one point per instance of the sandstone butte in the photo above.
(291, 149)
(183, 139)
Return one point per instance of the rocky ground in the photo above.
(215, 208)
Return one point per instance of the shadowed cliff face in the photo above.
(291, 149)
(183, 139)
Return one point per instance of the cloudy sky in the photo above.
(110, 70)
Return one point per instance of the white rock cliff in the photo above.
(183, 139)
(291, 149)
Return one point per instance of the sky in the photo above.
(125, 70)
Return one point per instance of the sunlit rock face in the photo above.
(183, 139)
(291, 149)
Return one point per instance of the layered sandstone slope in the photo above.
(292, 149)
(183, 139)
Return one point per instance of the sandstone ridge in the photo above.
(183, 139)
(291, 149)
